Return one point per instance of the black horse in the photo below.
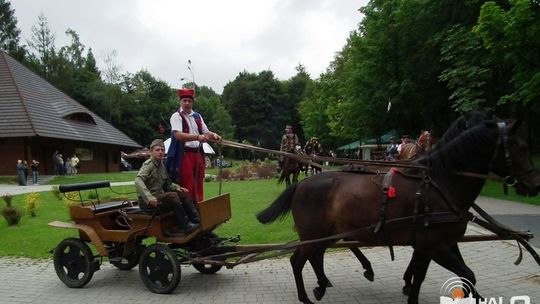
(336, 202)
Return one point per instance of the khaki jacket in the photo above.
(152, 180)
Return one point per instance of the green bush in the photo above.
(12, 215)
(56, 192)
(8, 198)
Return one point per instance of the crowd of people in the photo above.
(65, 166)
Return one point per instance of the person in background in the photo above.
(289, 141)
(75, 164)
(67, 166)
(25, 163)
(392, 149)
(154, 185)
(404, 141)
(55, 162)
(60, 164)
(35, 171)
(185, 162)
(20, 173)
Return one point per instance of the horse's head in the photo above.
(424, 142)
(512, 160)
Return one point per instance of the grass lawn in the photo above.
(32, 237)
(495, 190)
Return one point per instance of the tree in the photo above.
(9, 33)
(298, 88)
(513, 35)
(112, 69)
(255, 103)
(467, 77)
(42, 42)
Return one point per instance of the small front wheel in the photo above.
(74, 262)
(207, 268)
(159, 269)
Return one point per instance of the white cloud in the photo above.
(221, 38)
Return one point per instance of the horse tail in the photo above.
(279, 208)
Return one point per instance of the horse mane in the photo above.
(463, 123)
(454, 152)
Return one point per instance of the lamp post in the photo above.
(190, 68)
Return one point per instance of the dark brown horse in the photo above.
(291, 168)
(336, 202)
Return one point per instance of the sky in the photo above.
(220, 38)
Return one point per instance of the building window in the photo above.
(81, 117)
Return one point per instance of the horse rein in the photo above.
(312, 161)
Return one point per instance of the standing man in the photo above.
(289, 141)
(185, 161)
(153, 184)
(35, 171)
(392, 149)
(74, 164)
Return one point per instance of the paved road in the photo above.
(271, 281)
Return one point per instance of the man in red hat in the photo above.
(185, 158)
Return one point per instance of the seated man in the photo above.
(153, 185)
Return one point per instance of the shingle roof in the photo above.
(30, 106)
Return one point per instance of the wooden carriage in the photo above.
(117, 230)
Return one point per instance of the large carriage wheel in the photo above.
(73, 262)
(159, 269)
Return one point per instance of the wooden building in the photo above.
(37, 119)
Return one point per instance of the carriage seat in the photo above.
(104, 207)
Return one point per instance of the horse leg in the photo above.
(298, 260)
(295, 177)
(287, 180)
(461, 269)
(317, 262)
(368, 273)
(408, 275)
(420, 264)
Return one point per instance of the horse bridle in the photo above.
(512, 179)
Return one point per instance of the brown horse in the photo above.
(336, 202)
(291, 168)
(421, 146)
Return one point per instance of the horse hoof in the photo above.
(369, 275)
(406, 289)
(329, 284)
(318, 292)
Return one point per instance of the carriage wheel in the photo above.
(207, 268)
(127, 262)
(73, 262)
(203, 242)
(159, 269)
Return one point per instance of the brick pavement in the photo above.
(271, 281)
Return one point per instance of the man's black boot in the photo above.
(187, 226)
(192, 212)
